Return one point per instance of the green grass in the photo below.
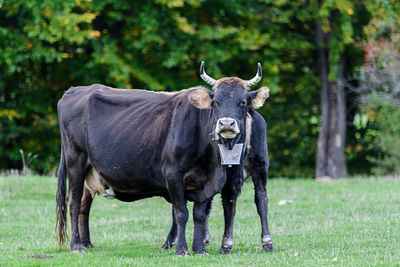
(352, 222)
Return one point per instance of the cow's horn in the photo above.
(204, 75)
(256, 78)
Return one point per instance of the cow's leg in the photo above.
(176, 191)
(206, 233)
(172, 236)
(259, 175)
(229, 205)
(199, 218)
(230, 192)
(181, 215)
(258, 168)
(76, 176)
(84, 232)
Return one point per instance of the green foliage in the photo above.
(377, 79)
(381, 136)
(37, 37)
(387, 140)
(48, 46)
(378, 88)
(351, 222)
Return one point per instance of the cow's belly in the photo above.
(98, 183)
(134, 188)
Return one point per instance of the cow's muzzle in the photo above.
(227, 128)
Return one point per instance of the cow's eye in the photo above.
(214, 103)
(243, 103)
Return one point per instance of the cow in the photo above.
(257, 163)
(135, 144)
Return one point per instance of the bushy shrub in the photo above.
(385, 130)
(379, 94)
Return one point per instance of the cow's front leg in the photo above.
(181, 215)
(206, 233)
(229, 205)
(229, 194)
(172, 235)
(259, 175)
(199, 218)
(177, 194)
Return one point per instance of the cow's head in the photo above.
(230, 101)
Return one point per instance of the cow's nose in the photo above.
(227, 127)
(227, 123)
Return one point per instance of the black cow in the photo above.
(257, 162)
(256, 154)
(135, 144)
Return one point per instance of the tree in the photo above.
(337, 27)
(36, 37)
(330, 157)
(332, 27)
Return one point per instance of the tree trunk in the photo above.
(336, 161)
(322, 148)
(330, 157)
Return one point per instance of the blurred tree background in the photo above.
(49, 45)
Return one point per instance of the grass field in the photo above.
(349, 222)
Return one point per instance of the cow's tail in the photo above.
(61, 208)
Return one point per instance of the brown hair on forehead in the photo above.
(230, 81)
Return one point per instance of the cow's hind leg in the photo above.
(199, 218)
(76, 163)
(84, 232)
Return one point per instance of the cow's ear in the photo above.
(258, 97)
(200, 98)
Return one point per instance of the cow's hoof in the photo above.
(225, 250)
(182, 252)
(88, 245)
(77, 248)
(268, 247)
(168, 245)
(200, 251)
